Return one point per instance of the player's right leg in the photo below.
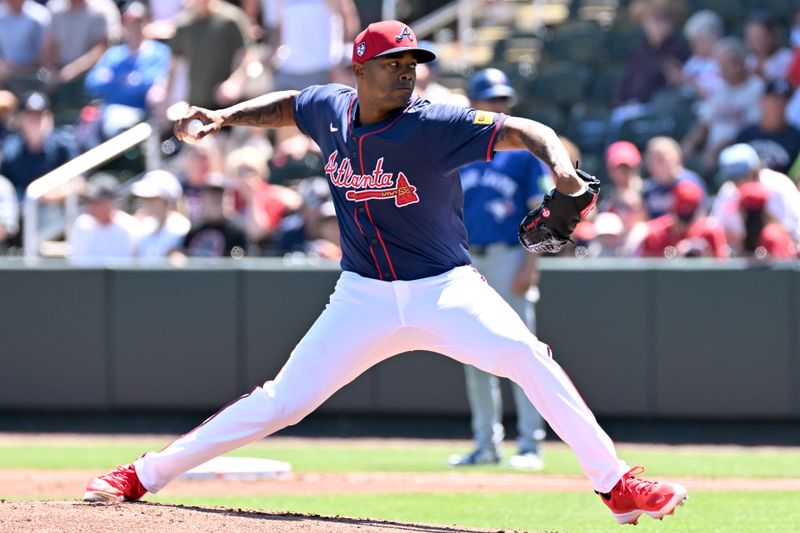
(474, 325)
(357, 329)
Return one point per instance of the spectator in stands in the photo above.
(739, 164)
(767, 57)
(725, 113)
(664, 163)
(215, 235)
(428, 86)
(325, 244)
(132, 74)
(212, 36)
(37, 148)
(699, 76)
(9, 214)
(198, 162)
(23, 26)
(296, 157)
(259, 205)
(794, 41)
(776, 142)
(110, 10)
(645, 72)
(308, 39)
(623, 164)
(630, 209)
(162, 24)
(298, 229)
(684, 232)
(163, 228)
(609, 235)
(79, 36)
(8, 108)
(763, 237)
(103, 232)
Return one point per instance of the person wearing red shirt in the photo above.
(683, 232)
(764, 238)
(259, 204)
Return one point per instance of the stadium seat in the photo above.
(624, 36)
(544, 112)
(587, 126)
(604, 83)
(640, 130)
(732, 12)
(782, 9)
(577, 41)
(561, 83)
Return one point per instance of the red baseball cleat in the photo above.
(631, 497)
(119, 485)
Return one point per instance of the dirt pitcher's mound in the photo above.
(144, 517)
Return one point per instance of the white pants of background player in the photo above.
(367, 321)
(499, 263)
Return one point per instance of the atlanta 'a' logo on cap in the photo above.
(403, 34)
(361, 48)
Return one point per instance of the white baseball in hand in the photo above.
(194, 128)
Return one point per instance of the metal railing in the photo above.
(34, 231)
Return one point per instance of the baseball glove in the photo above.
(548, 228)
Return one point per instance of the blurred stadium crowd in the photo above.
(685, 110)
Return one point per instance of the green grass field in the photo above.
(705, 512)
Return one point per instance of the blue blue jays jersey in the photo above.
(395, 184)
(496, 195)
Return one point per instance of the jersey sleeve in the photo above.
(304, 107)
(455, 136)
(313, 109)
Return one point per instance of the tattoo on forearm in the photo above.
(270, 110)
(541, 142)
(270, 115)
(534, 144)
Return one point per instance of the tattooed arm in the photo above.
(523, 134)
(272, 110)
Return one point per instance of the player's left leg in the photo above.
(464, 318)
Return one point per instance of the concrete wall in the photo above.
(658, 339)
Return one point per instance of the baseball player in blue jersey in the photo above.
(407, 281)
(497, 195)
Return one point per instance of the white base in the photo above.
(247, 468)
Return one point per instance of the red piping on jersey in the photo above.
(377, 265)
(361, 162)
(491, 139)
(355, 210)
(383, 245)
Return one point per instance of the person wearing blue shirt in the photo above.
(497, 194)
(126, 73)
(37, 147)
(407, 283)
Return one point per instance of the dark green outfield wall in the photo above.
(661, 339)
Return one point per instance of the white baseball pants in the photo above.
(499, 264)
(367, 321)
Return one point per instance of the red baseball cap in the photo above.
(753, 196)
(623, 153)
(688, 197)
(388, 37)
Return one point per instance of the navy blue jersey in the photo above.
(395, 184)
(497, 195)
